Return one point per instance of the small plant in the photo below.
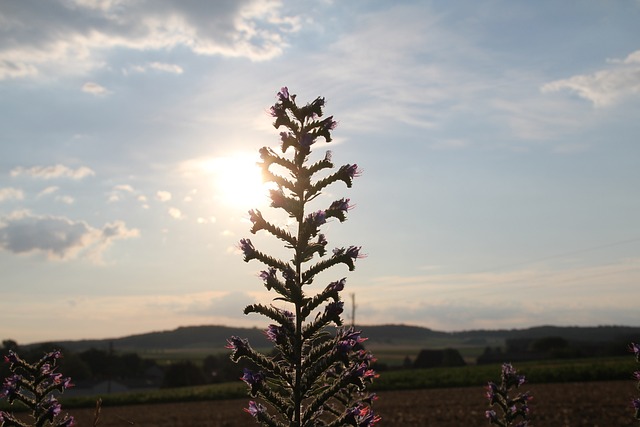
(511, 408)
(35, 386)
(315, 378)
(635, 348)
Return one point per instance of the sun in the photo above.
(238, 181)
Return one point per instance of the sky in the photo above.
(498, 142)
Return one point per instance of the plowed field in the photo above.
(597, 404)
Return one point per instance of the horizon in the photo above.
(498, 144)
(364, 330)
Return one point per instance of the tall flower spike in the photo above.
(310, 373)
(33, 385)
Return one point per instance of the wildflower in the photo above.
(276, 334)
(53, 408)
(333, 310)
(239, 346)
(635, 348)
(336, 286)
(306, 140)
(67, 422)
(491, 415)
(283, 95)
(11, 357)
(255, 409)
(253, 380)
(247, 249)
(354, 252)
(316, 219)
(636, 405)
(310, 374)
(340, 205)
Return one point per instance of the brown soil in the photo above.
(598, 404)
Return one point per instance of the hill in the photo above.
(214, 337)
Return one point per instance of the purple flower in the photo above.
(67, 422)
(334, 309)
(636, 375)
(255, 380)
(352, 170)
(10, 387)
(283, 94)
(492, 391)
(328, 124)
(269, 277)
(247, 249)
(11, 357)
(54, 408)
(491, 415)
(367, 417)
(316, 219)
(276, 334)
(511, 377)
(340, 205)
(354, 252)
(336, 286)
(239, 346)
(56, 354)
(635, 348)
(306, 140)
(255, 409)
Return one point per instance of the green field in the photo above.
(550, 371)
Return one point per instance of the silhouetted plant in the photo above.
(635, 348)
(35, 385)
(511, 408)
(315, 379)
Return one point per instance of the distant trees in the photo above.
(447, 357)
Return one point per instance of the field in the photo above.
(601, 404)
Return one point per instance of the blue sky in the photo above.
(499, 144)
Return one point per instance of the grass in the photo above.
(538, 372)
(552, 371)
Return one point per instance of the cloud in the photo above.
(605, 87)
(49, 190)
(157, 66)
(9, 193)
(94, 89)
(175, 213)
(228, 305)
(163, 196)
(58, 238)
(74, 36)
(117, 192)
(573, 294)
(51, 172)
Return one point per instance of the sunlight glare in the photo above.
(238, 181)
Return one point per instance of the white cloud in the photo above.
(49, 190)
(157, 66)
(51, 172)
(11, 193)
(508, 299)
(94, 89)
(65, 199)
(73, 36)
(175, 213)
(58, 237)
(163, 196)
(605, 87)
